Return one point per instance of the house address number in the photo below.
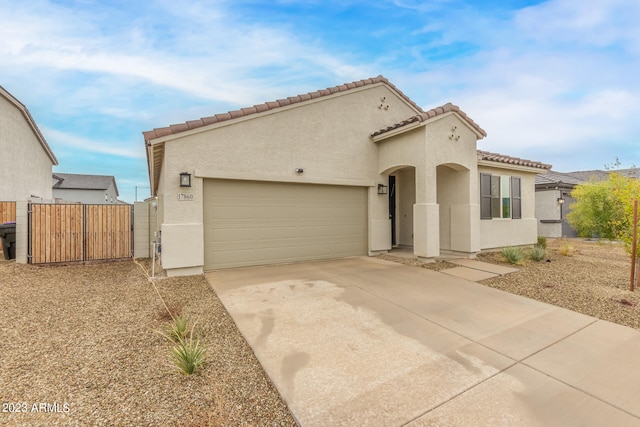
(185, 196)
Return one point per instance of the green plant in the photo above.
(604, 209)
(178, 329)
(513, 255)
(542, 242)
(566, 250)
(538, 253)
(188, 354)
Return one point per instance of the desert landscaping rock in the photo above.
(84, 340)
(594, 280)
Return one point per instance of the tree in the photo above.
(604, 209)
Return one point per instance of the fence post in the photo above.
(22, 232)
(634, 243)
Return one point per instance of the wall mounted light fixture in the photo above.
(299, 170)
(560, 200)
(382, 189)
(185, 179)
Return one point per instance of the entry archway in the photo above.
(453, 192)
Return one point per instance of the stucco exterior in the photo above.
(88, 189)
(354, 137)
(498, 232)
(26, 162)
(107, 196)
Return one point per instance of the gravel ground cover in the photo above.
(593, 279)
(79, 346)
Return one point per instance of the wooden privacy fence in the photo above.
(67, 233)
(7, 212)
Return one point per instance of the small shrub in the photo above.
(538, 253)
(189, 355)
(566, 250)
(513, 255)
(178, 330)
(542, 242)
(186, 352)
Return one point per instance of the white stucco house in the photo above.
(350, 170)
(26, 160)
(89, 189)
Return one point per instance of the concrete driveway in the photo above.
(361, 341)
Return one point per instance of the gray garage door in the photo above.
(252, 223)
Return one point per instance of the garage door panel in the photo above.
(251, 223)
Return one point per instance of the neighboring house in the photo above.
(90, 189)
(553, 197)
(350, 170)
(26, 160)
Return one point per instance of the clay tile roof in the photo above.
(426, 115)
(195, 124)
(206, 121)
(249, 110)
(500, 158)
(181, 127)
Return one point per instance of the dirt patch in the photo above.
(80, 343)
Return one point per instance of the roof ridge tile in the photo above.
(270, 105)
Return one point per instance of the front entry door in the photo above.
(392, 208)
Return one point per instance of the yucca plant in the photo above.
(513, 255)
(188, 355)
(538, 253)
(542, 242)
(178, 330)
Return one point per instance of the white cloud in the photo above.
(207, 54)
(62, 140)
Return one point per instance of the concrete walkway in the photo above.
(475, 271)
(363, 341)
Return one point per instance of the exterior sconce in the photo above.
(185, 179)
(299, 170)
(560, 200)
(382, 189)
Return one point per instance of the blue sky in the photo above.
(554, 81)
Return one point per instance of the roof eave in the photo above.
(513, 166)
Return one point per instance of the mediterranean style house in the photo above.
(351, 170)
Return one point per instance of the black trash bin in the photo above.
(8, 237)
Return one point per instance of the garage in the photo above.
(253, 223)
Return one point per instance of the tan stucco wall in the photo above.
(452, 162)
(25, 168)
(328, 139)
(498, 233)
(547, 208)
(426, 148)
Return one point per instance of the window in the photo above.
(500, 196)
